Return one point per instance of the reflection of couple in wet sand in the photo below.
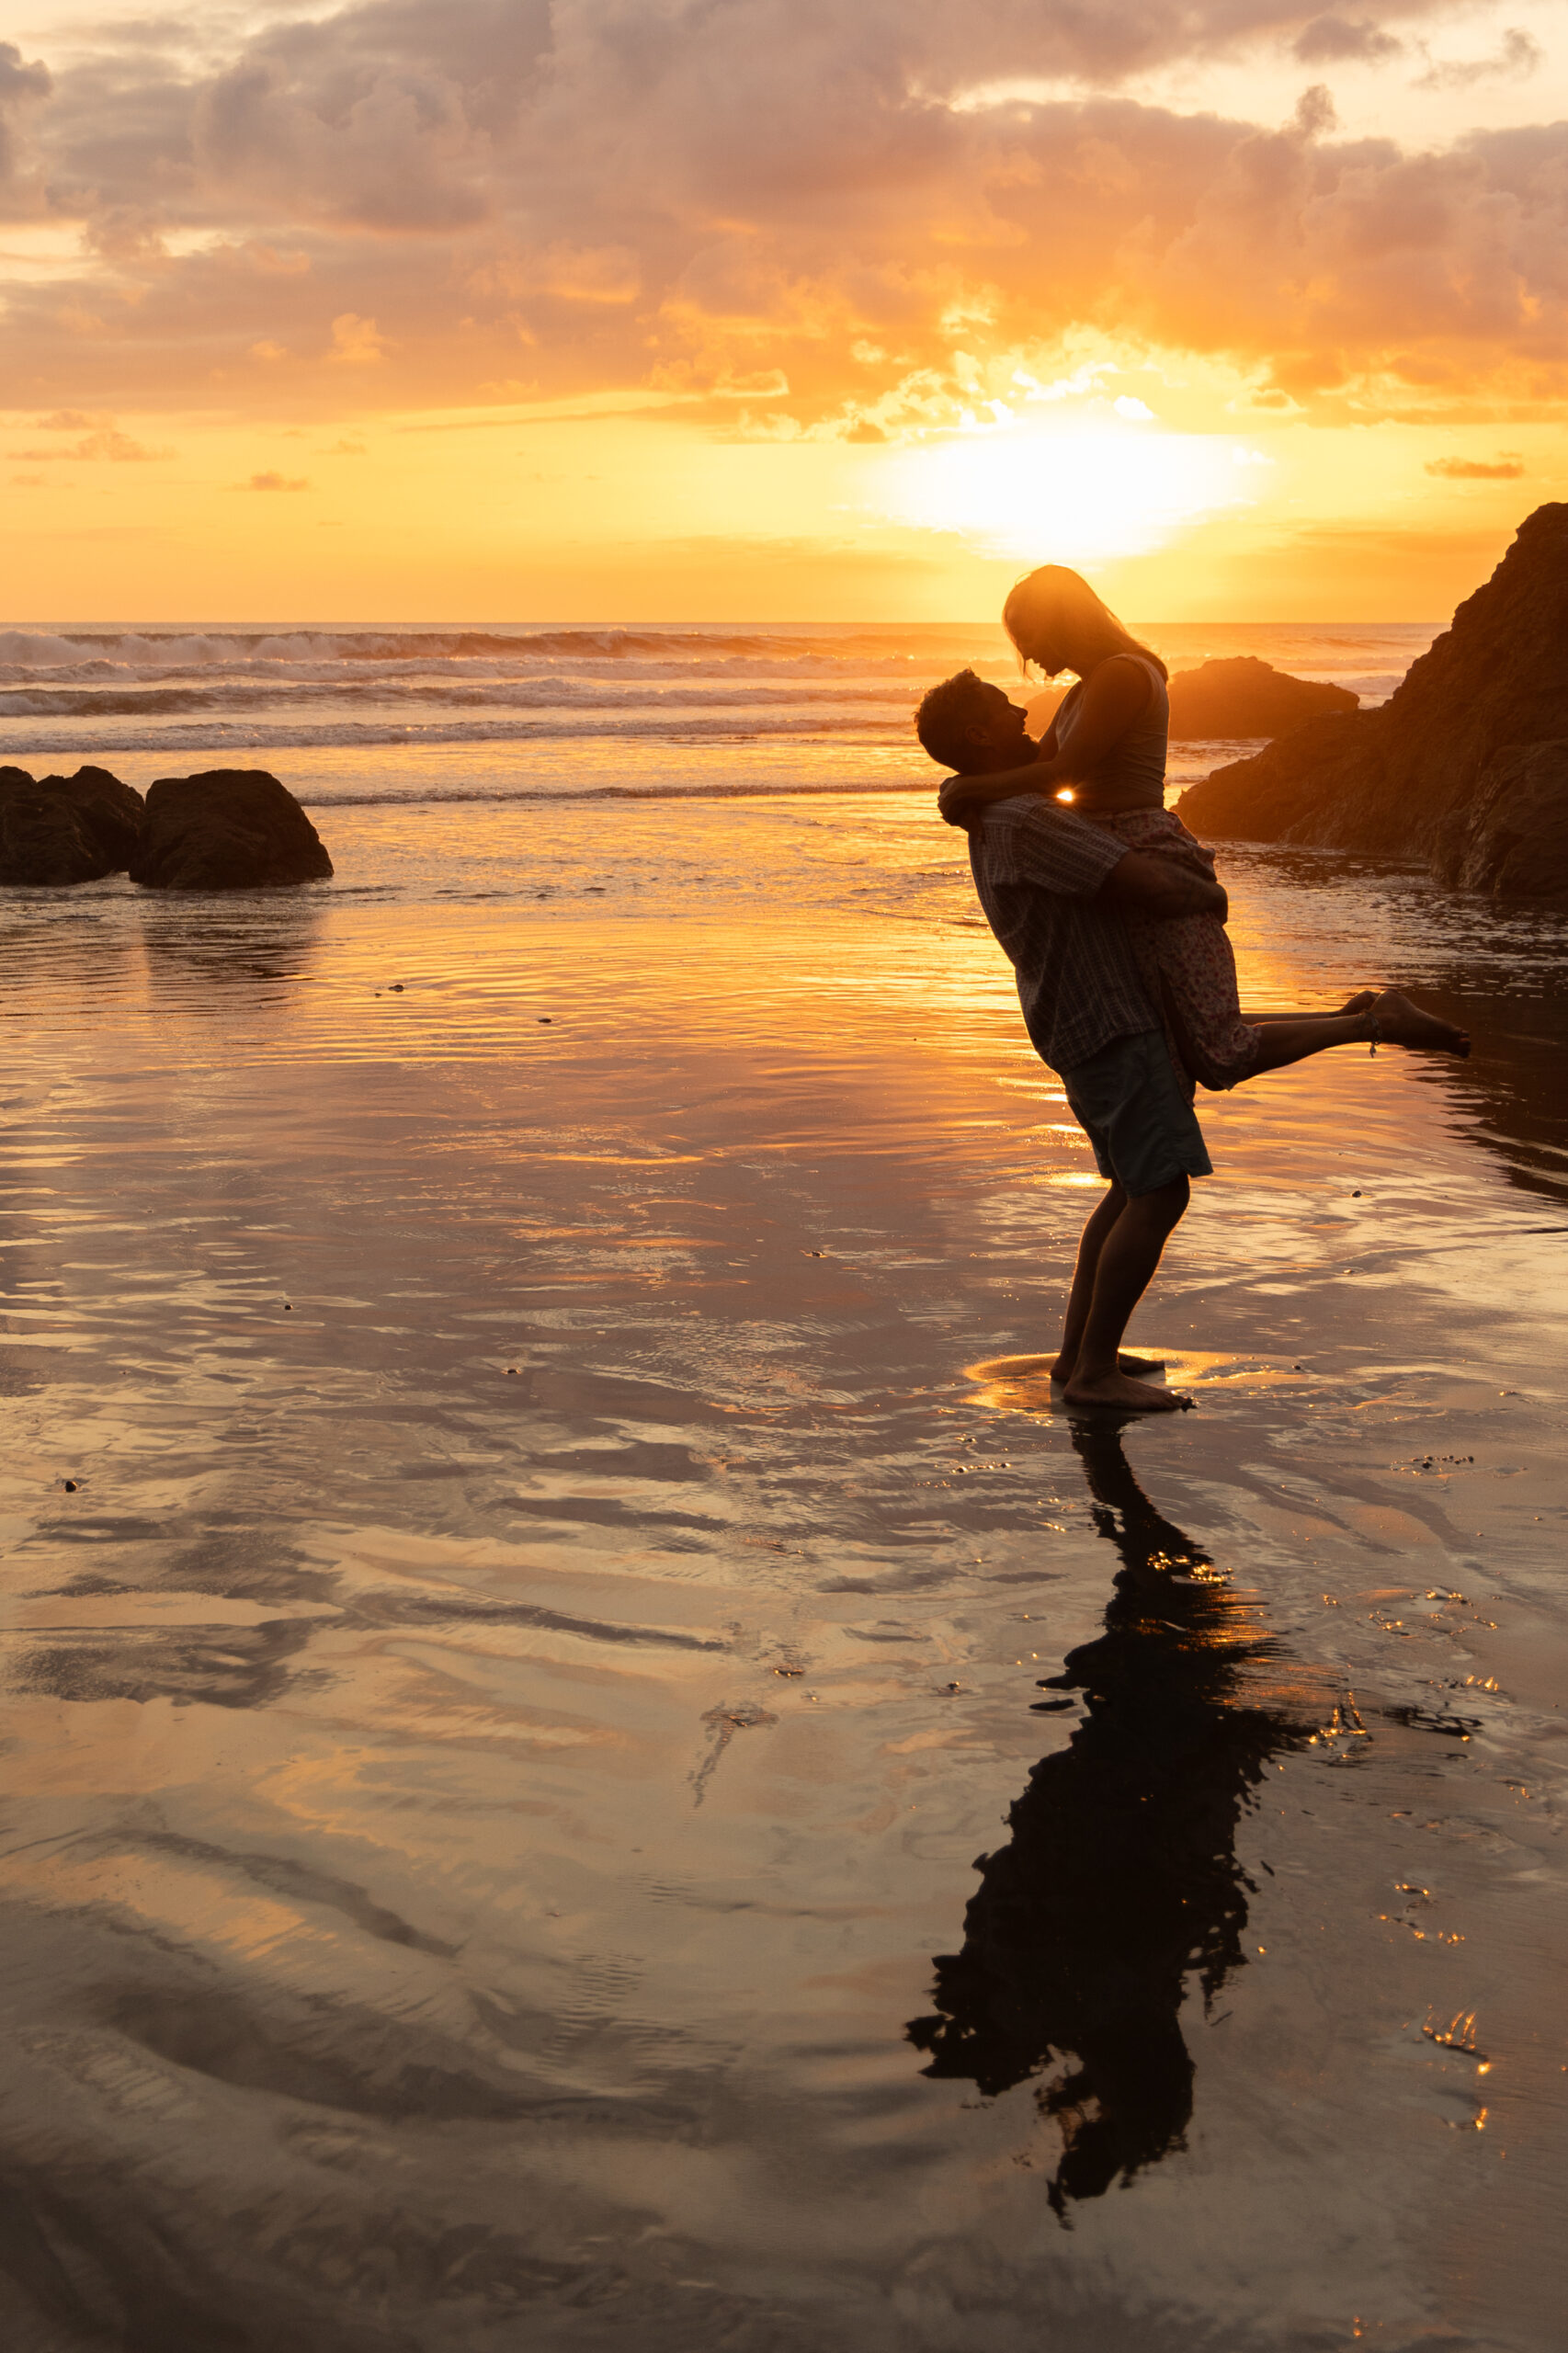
(1119, 1883)
(1110, 913)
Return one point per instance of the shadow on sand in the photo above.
(1121, 1880)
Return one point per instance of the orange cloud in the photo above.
(817, 209)
(356, 342)
(100, 438)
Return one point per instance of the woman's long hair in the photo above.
(1065, 601)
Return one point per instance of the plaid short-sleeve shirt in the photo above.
(1037, 870)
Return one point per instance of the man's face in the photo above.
(1001, 729)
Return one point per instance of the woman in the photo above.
(1103, 755)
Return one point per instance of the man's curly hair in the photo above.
(946, 714)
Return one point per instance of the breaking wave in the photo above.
(114, 692)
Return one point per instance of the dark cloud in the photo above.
(1314, 115)
(1516, 57)
(735, 202)
(1330, 40)
(1505, 468)
(22, 88)
(18, 80)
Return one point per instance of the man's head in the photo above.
(971, 726)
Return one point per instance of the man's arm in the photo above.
(962, 799)
(1157, 889)
(1116, 695)
(1038, 842)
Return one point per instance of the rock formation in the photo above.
(1511, 837)
(1246, 697)
(1465, 765)
(228, 829)
(1237, 696)
(62, 829)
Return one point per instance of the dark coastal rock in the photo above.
(42, 842)
(112, 813)
(1445, 770)
(57, 829)
(1237, 696)
(1511, 838)
(228, 829)
(1246, 697)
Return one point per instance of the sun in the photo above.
(1075, 494)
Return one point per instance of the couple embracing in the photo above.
(1113, 919)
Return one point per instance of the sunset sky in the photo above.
(767, 309)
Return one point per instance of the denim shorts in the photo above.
(1137, 1114)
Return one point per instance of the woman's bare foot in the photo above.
(1127, 1395)
(1400, 1023)
(1136, 1368)
(1362, 1001)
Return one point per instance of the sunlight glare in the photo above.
(1079, 496)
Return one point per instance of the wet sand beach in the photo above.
(537, 1556)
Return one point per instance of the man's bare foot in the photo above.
(1404, 1024)
(1362, 1001)
(1135, 1368)
(1128, 1396)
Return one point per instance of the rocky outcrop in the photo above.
(61, 829)
(1246, 697)
(1447, 771)
(1511, 837)
(1232, 699)
(42, 842)
(228, 829)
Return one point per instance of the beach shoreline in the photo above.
(556, 1583)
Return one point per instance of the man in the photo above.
(1054, 889)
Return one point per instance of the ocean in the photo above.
(429, 758)
(354, 717)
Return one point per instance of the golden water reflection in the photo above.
(1024, 1385)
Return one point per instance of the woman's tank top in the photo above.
(1132, 773)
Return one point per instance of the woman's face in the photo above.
(1040, 638)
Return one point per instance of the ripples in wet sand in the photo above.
(537, 1562)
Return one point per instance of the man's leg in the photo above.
(1091, 1243)
(1129, 1251)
